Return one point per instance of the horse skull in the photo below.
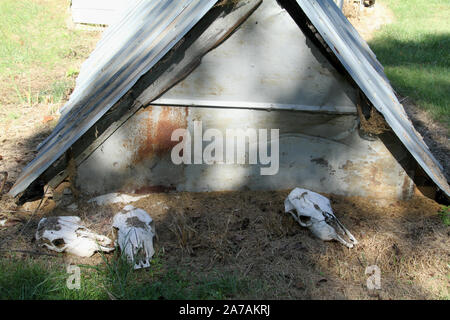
(313, 211)
(65, 234)
(135, 235)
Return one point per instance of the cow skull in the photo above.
(65, 234)
(313, 211)
(135, 235)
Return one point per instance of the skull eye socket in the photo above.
(305, 219)
(59, 243)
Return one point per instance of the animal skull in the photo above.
(313, 211)
(135, 235)
(66, 234)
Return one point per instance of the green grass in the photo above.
(445, 215)
(115, 279)
(33, 33)
(31, 280)
(39, 54)
(57, 92)
(415, 51)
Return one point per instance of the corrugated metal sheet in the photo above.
(149, 29)
(98, 11)
(361, 63)
(128, 49)
(265, 64)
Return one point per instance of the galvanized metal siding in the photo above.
(98, 11)
(129, 49)
(266, 64)
(361, 63)
(322, 152)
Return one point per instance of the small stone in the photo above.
(72, 206)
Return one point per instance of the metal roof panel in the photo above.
(362, 65)
(150, 28)
(128, 50)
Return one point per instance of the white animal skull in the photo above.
(66, 234)
(313, 211)
(135, 235)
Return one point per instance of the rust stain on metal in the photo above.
(156, 140)
(374, 176)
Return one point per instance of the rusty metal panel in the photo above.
(267, 63)
(130, 48)
(362, 65)
(322, 152)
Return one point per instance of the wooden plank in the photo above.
(216, 26)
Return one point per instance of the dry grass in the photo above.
(367, 20)
(39, 60)
(249, 234)
(183, 229)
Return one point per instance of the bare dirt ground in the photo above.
(435, 134)
(367, 20)
(249, 232)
